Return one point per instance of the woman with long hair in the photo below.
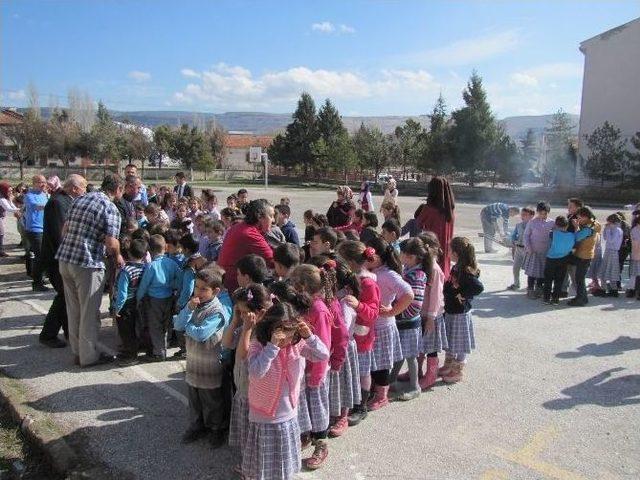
(6, 207)
(437, 216)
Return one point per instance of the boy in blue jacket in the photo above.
(125, 306)
(203, 320)
(555, 268)
(283, 220)
(155, 293)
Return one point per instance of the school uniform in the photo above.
(457, 316)
(517, 242)
(125, 305)
(433, 307)
(536, 243)
(612, 236)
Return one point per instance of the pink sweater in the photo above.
(433, 304)
(321, 321)
(275, 375)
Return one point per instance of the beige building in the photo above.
(237, 146)
(610, 86)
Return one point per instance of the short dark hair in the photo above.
(180, 175)
(576, 201)
(371, 218)
(585, 212)
(543, 207)
(212, 277)
(327, 234)
(528, 210)
(131, 165)
(392, 226)
(561, 221)
(216, 225)
(283, 209)
(156, 244)
(172, 237)
(111, 183)
(256, 210)
(137, 249)
(287, 255)
(242, 191)
(253, 266)
(189, 244)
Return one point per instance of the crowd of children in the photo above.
(299, 353)
(573, 247)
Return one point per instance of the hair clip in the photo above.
(249, 295)
(368, 253)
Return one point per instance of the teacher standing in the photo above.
(437, 216)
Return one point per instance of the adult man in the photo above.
(132, 185)
(93, 226)
(181, 188)
(489, 216)
(142, 197)
(34, 202)
(55, 214)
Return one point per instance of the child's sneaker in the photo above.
(546, 301)
(630, 293)
(318, 457)
(305, 441)
(444, 369)
(455, 375)
(513, 287)
(339, 427)
(555, 301)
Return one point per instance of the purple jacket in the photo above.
(536, 235)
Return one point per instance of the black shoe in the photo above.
(127, 361)
(192, 434)
(546, 301)
(630, 293)
(358, 414)
(180, 354)
(599, 293)
(39, 287)
(614, 293)
(153, 358)
(53, 342)
(564, 294)
(555, 301)
(577, 302)
(103, 359)
(217, 439)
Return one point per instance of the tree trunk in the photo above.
(21, 165)
(142, 170)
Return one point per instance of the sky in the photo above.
(369, 57)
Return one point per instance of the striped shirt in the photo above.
(417, 279)
(127, 283)
(496, 210)
(92, 217)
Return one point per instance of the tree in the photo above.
(188, 145)
(30, 136)
(407, 147)
(105, 134)
(302, 133)
(606, 153)
(435, 154)
(557, 166)
(64, 137)
(333, 149)
(504, 162)
(371, 149)
(529, 152)
(206, 162)
(215, 137)
(139, 145)
(632, 159)
(474, 132)
(279, 152)
(163, 141)
(81, 109)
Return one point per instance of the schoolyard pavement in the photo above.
(550, 393)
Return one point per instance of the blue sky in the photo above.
(369, 57)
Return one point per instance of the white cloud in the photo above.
(187, 72)
(533, 77)
(468, 51)
(17, 95)
(228, 86)
(323, 27)
(347, 29)
(330, 28)
(139, 76)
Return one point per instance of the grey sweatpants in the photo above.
(83, 289)
(489, 228)
(157, 316)
(518, 261)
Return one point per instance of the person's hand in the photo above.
(385, 309)
(429, 325)
(278, 337)
(120, 261)
(193, 303)
(249, 320)
(574, 222)
(116, 317)
(304, 330)
(351, 301)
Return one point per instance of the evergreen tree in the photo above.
(474, 132)
(302, 133)
(632, 160)
(105, 133)
(407, 146)
(436, 143)
(606, 153)
(162, 140)
(504, 162)
(372, 149)
(529, 150)
(333, 149)
(558, 166)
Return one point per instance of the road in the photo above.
(549, 393)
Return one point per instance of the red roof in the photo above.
(9, 117)
(246, 141)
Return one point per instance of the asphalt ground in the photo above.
(551, 392)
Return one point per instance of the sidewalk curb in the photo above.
(39, 429)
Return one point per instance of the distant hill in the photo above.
(269, 123)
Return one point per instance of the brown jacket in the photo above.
(585, 248)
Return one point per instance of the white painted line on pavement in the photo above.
(141, 372)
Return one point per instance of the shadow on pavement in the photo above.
(600, 390)
(616, 347)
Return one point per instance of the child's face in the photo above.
(281, 270)
(453, 255)
(204, 292)
(193, 205)
(525, 216)
(243, 280)
(307, 221)
(571, 208)
(181, 212)
(226, 221)
(408, 260)
(543, 214)
(171, 248)
(231, 202)
(151, 191)
(389, 237)
(281, 219)
(242, 198)
(139, 214)
(583, 220)
(212, 235)
(317, 246)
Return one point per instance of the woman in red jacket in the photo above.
(437, 216)
(245, 238)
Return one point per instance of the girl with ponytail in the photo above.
(315, 282)
(395, 296)
(365, 301)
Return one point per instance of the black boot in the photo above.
(359, 412)
(637, 289)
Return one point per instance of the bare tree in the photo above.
(82, 109)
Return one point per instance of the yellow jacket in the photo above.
(586, 239)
